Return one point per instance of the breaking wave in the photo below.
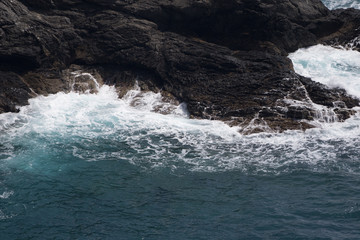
(330, 66)
(333, 4)
(96, 127)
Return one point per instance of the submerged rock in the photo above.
(225, 58)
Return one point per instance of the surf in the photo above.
(334, 4)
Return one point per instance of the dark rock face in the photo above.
(13, 92)
(348, 34)
(225, 58)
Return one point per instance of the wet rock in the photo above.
(13, 92)
(323, 95)
(343, 113)
(82, 79)
(44, 82)
(348, 34)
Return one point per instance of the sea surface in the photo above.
(92, 166)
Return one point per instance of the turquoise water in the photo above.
(92, 166)
(167, 177)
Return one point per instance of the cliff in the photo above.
(225, 58)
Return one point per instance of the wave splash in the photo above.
(330, 66)
(64, 128)
(334, 4)
(143, 129)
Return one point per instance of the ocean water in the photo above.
(92, 166)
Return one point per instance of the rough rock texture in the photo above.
(225, 58)
(348, 34)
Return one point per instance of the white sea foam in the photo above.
(354, 43)
(95, 127)
(153, 102)
(6, 194)
(333, 4)
(330, 66)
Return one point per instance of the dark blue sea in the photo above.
(92, 166)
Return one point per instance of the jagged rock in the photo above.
(225, 58)
(31, 40)
(348, 35)
(13, 92)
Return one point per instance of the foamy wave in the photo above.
(330, 66)
(96, 127)
(333, 4)
(154, 102)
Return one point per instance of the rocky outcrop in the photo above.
(348, 35)
(225, 58)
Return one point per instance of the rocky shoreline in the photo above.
(227, 59)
